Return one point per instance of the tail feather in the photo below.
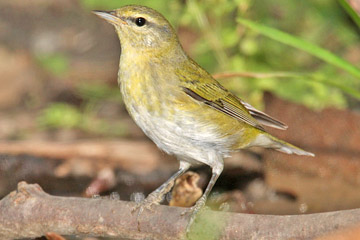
(291, 149)
(269, 141)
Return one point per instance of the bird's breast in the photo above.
(149, 84)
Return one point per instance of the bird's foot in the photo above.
(152, 199)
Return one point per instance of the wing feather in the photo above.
(226, 107)
(264, 118)
(201, 86)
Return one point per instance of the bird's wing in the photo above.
(217, 97)
(202, 87)
(263, 118)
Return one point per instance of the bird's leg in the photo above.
(216, 171)
(156, 196)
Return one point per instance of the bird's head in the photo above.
(141, 28)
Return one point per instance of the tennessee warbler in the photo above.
(178, 104)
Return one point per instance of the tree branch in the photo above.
(30, 212)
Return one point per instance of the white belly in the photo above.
(190, 141)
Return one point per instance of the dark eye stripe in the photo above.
(132, 19)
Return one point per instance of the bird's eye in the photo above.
(140, 21)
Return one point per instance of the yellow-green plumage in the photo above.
(179, 105)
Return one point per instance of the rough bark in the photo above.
(30, 212)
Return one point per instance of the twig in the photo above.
(30, 212)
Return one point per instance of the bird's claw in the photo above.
(188, 211)
(148, 203)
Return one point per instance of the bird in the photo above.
(179, 105)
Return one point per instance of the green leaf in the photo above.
(352, 13)
(298, 43)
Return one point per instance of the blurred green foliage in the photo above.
(98, 92)
(223, 44)
(312, 49)
(315, 42)
(63, 115)
(352, 13)
(55, 63)
(207, 226)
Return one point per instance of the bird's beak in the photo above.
(110, 17)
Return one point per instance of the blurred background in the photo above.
(63, 124)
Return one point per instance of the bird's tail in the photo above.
(282, 146)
